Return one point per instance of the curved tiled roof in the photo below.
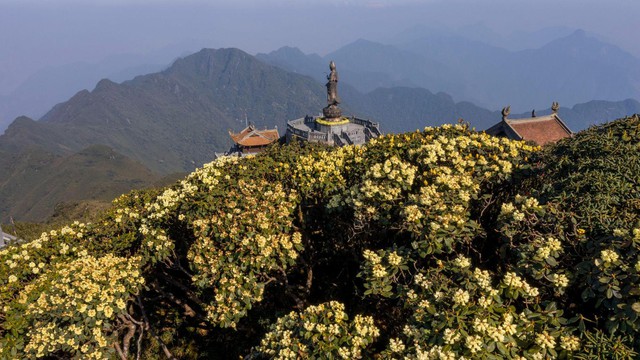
(250, 136)
(541, 129)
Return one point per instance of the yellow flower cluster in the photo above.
(322, 172)
(396, 345)
(447, 290)
(570, 342)
(514, 281)
(202, 179)
(382, 184)
(380, 269)
(523, 206)
(452, 164)
(126, 211)
(549, 247)
(483, 278)
(321, 331)
(71, 306)
(560, 280)
(451, 336)
(250, 230)
(545, 340)
(156, 243)
(461, 297)
(394, 259)
(462, 262)
(609, 256)
(19, 264)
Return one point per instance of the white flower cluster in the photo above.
(462, 262)
(560, 281)
(320, 331)
(548, 247)
(523, 206)
(609, 256)
(512, 280)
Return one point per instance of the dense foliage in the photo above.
(438, 244)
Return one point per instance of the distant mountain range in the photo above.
(153, 125)
(54, 84)
(514, 41)
(572, 69)
(101, 143)
(173, 120)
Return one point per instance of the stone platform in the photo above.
(346, 131)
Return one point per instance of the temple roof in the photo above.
(250, 136)
(541, 129)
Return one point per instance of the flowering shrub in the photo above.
(425, 182)
(582, 242)
(456, 245)
(464, 311)
(382, 269)
(325, 172)
(536, 241)
(72, 308)
(319, 332)
(253, 228)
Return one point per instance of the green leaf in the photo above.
(502, 348)
(551, 261)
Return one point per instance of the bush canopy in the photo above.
(444, 243)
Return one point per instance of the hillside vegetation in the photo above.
(35, 182)
(437, 244)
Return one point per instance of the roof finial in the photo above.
(554, 107)
(505, 112)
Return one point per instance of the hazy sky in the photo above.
(38, 33)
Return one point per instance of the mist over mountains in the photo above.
(54, 84)
(472, 63)
(175, 119)
(572, 69)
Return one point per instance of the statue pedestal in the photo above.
(332, 112)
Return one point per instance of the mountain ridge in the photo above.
(175, 120)
(172, 120)
(574, 68)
